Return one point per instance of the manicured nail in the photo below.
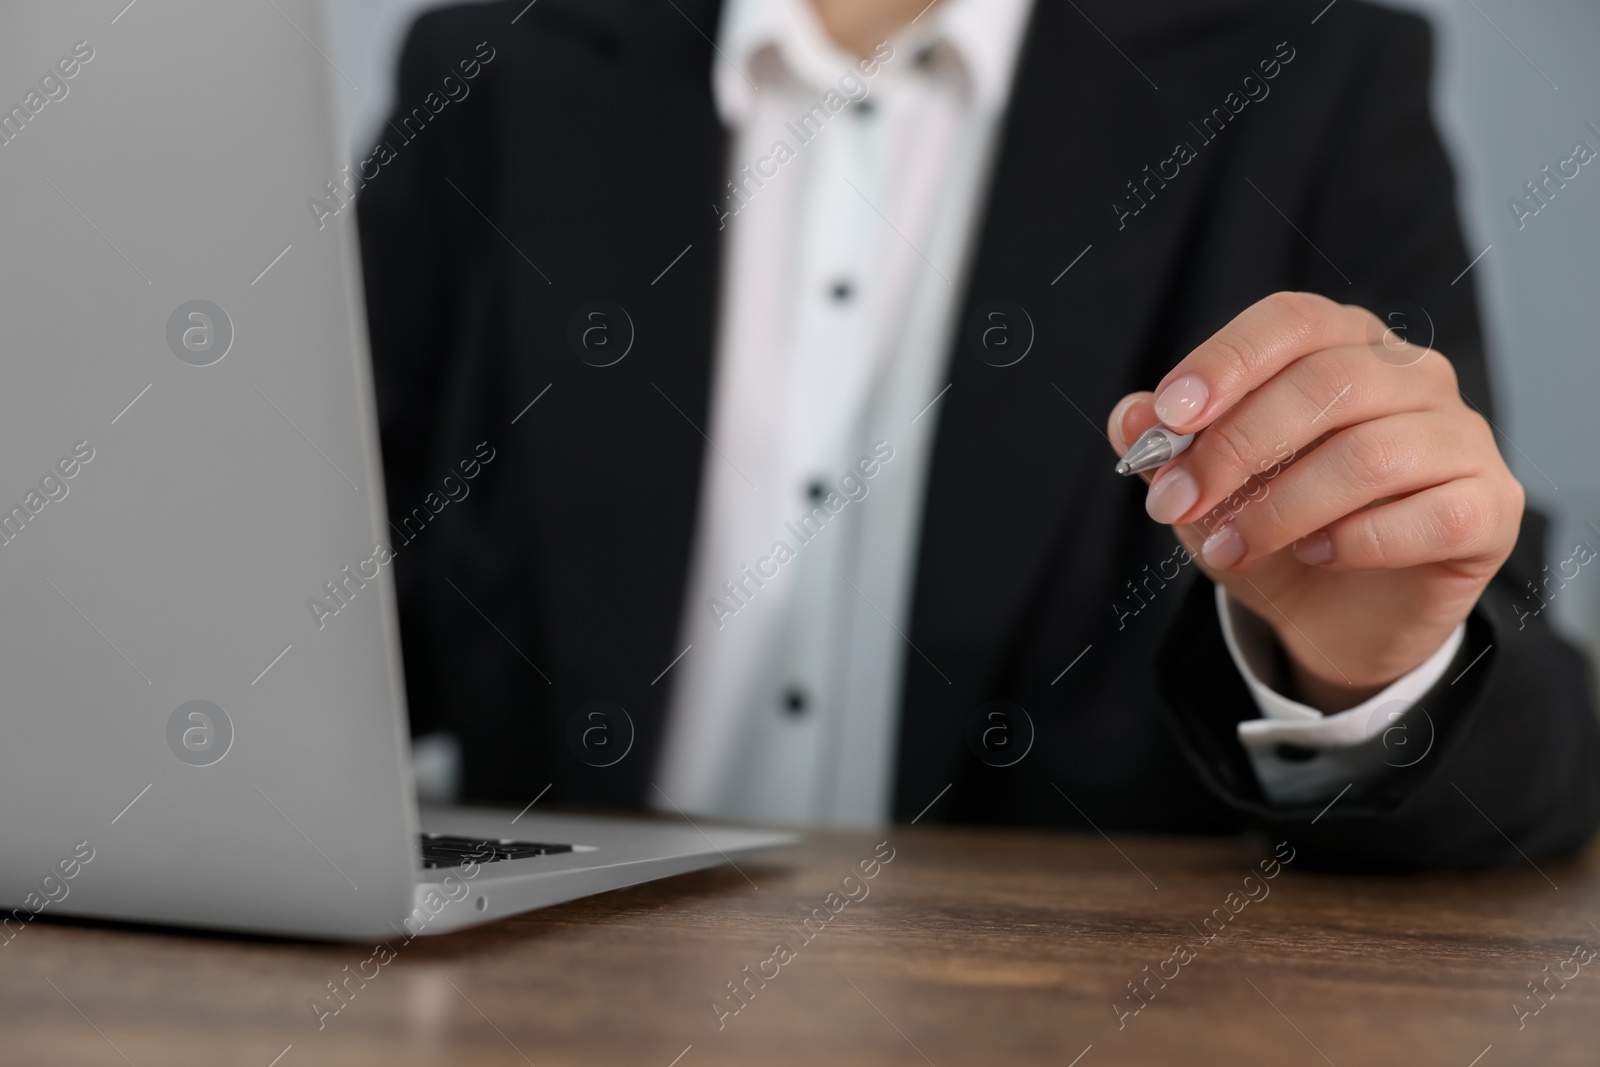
(1182, 402)
(1171, 495)
(1314, 548)
(1223, 549)
(1119, 415)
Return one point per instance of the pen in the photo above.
(1155, 446)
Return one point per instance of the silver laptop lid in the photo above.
(188, 468)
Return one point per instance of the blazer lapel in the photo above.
(1019, 480)
(604, 178)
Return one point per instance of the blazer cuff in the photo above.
(1300, 755)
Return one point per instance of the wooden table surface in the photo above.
(969, 948)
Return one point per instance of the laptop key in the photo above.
(453, 850)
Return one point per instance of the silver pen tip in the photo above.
(1150, 450)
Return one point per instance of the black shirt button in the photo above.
(816, 490)
(842, 290)
(794, 701)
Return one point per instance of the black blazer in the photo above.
(588, 154)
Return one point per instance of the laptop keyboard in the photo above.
(451, 850)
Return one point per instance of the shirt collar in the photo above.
(983, 38)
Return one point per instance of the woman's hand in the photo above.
(1338, 487)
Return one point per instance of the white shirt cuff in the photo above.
(1351, 746)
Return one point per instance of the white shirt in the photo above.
(850, 234)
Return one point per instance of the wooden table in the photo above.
(968, 948)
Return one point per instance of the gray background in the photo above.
(1515, 80)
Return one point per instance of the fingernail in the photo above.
(1119, 415)
(1171, 495)
(1182, 402)
(1314, 548)
(1223, 549)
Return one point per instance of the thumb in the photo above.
(1133, 415)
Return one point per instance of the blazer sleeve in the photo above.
(426, 167)
(415, 220)
(1511, 773)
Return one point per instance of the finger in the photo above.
(1250, 350)
(1394, 456)
(1315, 396)
(1132, 416)
(1464, 521)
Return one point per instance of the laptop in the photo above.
(188, 460)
